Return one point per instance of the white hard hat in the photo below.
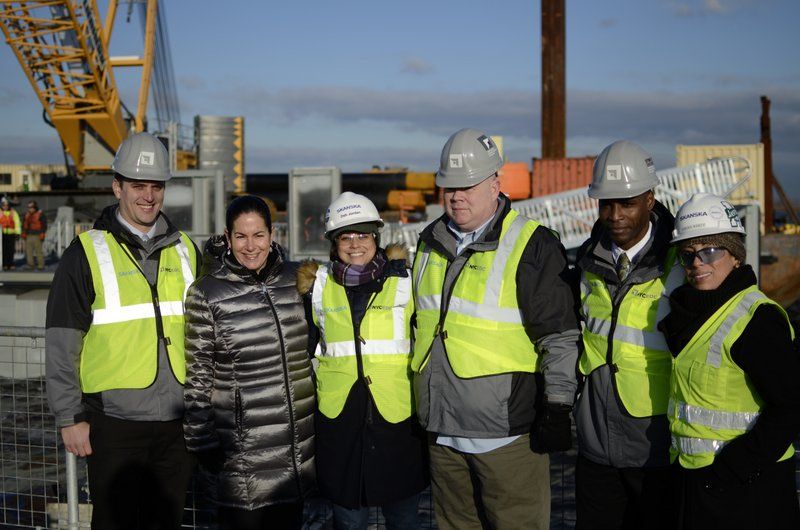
(468, 158)
(142, 156)
(350, 209)
(705, 215)
(621, 171)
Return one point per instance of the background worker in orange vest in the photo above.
(9, 221)
(34, 227)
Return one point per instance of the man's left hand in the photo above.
(552, 430)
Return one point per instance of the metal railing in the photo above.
(44, 487)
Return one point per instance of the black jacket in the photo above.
(249, 394)
(362, 459)
(745, 486)
(69, 316)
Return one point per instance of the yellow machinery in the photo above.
(63, 48)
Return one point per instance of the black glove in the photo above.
(552, 430)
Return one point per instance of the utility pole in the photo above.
(554, 115)
(769, 177)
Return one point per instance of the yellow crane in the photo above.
(62, 47)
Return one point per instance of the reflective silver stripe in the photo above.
(508, 315)
(674, 280)
(697, 446)
(488, 310)
(494, 280)
(715, 419)
(186, 266)
(398, 344)
(114, 312)
(372, 347)
(316, 306)
(108, 273)
(431, 302)
(714, 357)
(135, 312)
(586, 290)
(653, 340)
(423, 258)
(401, 299)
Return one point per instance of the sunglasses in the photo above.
(352, 237)
(707, 255)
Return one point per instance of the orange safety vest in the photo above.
(33, 223)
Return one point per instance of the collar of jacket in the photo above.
(219, 264)
(439, 238)
(166, 232)
(594, 256)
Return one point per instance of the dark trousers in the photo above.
(277, 516)
(8, 250)
(399, 515)
(138, 473)
(769, 502)
(629, 498)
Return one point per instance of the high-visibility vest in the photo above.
(385, 346)
(9, 220)
(120, 350)
(483, 330)
(712, 400)
(625, 336)
(32, 223)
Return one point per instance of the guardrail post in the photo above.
(72, 492)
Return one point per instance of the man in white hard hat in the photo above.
(495, 347)
(627, 271)
(115, 362)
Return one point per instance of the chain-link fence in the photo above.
(37, 475)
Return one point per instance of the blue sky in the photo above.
(357, 83)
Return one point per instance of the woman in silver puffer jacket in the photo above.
(249, 393)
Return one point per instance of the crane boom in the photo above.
(62, 50)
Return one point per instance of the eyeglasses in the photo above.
(707, 255)
(342, 238)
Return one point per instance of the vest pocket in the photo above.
(707, 383)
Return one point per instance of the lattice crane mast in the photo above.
(63, 50)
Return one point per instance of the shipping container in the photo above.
(753, 190)
(515, 180)
(554, 175)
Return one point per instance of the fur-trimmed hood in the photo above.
(307, 272)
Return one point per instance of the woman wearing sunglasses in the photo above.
(735, 388)
(370, 450)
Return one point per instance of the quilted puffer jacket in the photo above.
(249, 394)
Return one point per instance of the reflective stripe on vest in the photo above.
(483, 311)
(639, 351)
(385, 347)
(120, 349)
(711, 399)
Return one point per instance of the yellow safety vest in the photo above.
(712, 400)
(11, 217)
(385, 337)
(627, 338)
(483, 331)
(120, 350)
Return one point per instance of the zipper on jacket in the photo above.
(289, 401)
(238, 412)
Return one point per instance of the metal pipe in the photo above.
(72, 492)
